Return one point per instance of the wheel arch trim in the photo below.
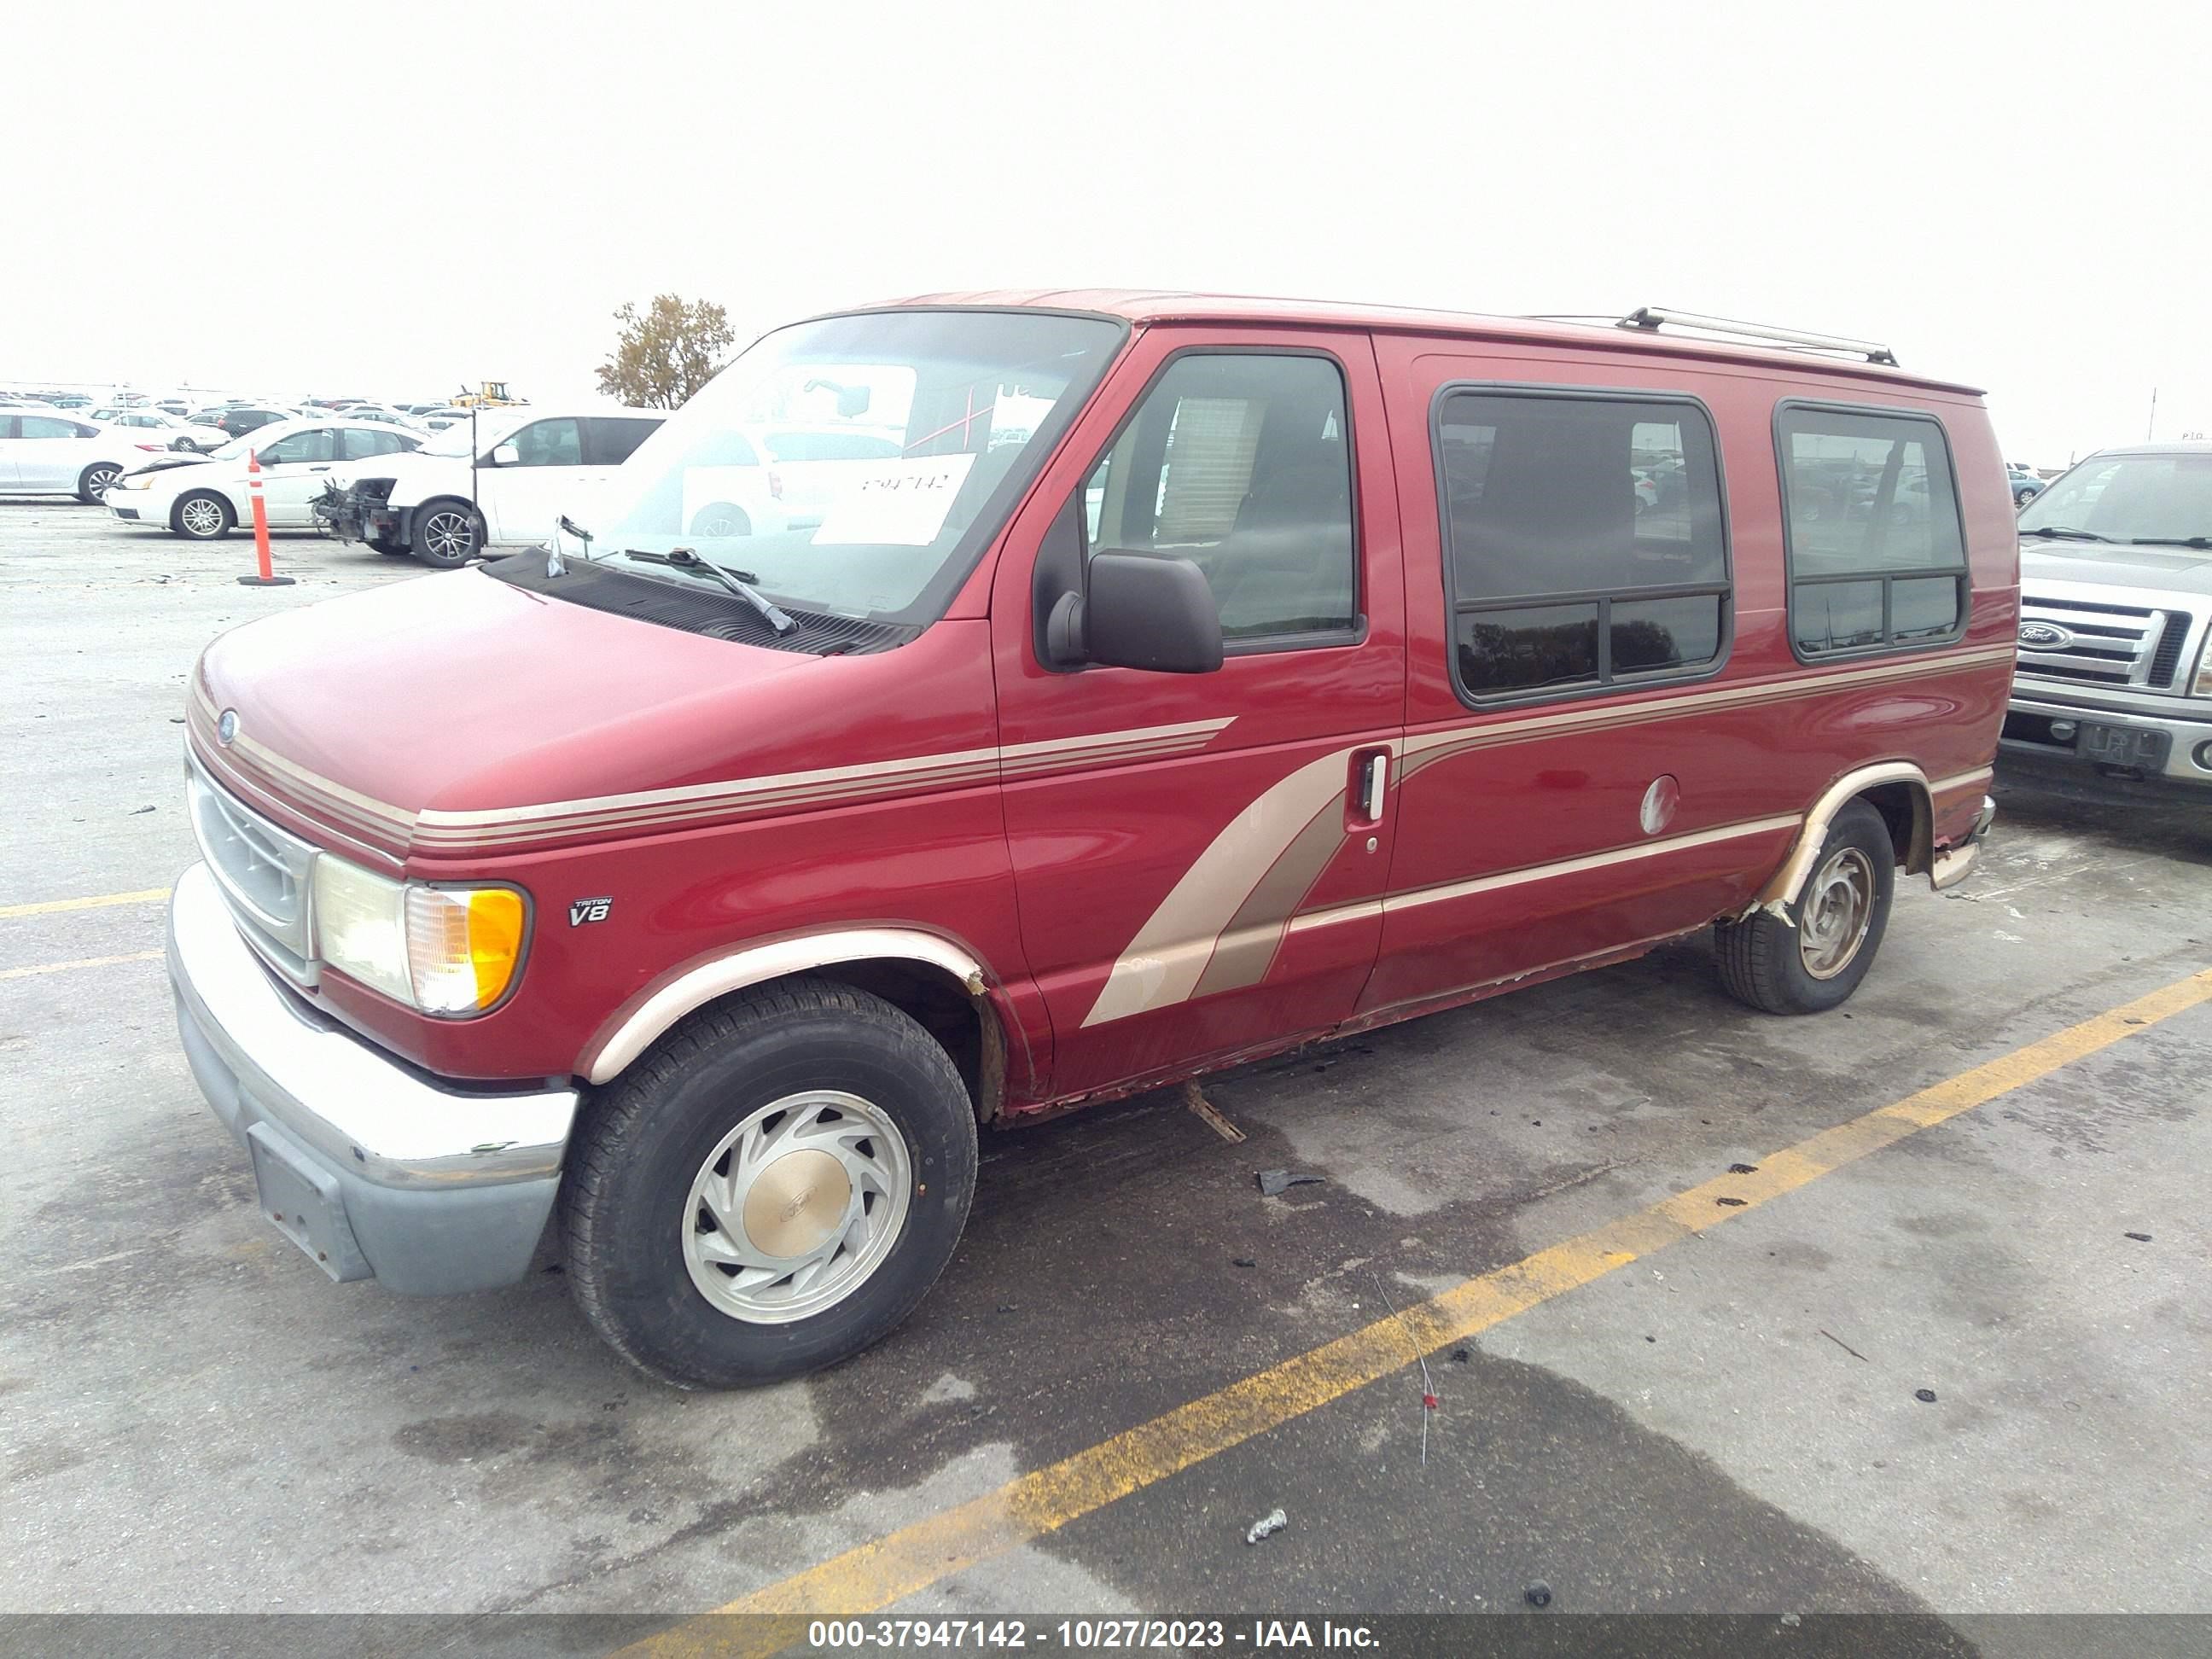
(636, 1027)
(1782, 889)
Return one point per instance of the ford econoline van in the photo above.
(1196, 678)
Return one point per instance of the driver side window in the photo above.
(549, 443)
(318, 445)
(1242, 464)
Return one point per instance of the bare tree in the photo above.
(664, 355)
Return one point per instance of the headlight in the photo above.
(136, 481)
(443, 949)
(2202, 685)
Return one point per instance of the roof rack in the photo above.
(1650, 319)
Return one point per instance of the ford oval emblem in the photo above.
(2044, 637)
(226, 729)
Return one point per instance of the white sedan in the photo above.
(206, 498)
(57, 454)
(173, 431)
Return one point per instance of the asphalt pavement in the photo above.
(1961, 1375)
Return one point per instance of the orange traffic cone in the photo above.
(266, 578)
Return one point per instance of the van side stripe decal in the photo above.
(251, 763)
(1169, 958)
(1424, 748)
(1457, 890)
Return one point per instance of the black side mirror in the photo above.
(1143, 610)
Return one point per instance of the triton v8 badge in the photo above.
(591, 909)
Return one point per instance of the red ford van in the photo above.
(1191, 678)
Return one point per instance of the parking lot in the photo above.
(1949, 1360)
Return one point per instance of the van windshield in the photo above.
(858, 465)
(2127, 500)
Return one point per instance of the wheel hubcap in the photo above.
(797, 1206)
(200, 518)
(1838, 908)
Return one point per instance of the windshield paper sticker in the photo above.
(898, 503)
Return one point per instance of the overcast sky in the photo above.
(389, 200)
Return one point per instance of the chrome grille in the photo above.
(265, 871)
(2099, 643)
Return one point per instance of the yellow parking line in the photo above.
(49, 905)
(81, 961)
(874, 1575)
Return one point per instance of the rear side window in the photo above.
(360, 444)
(609, 440)
(44, 426)
(1877, 552)
(1584, 540)
(1242, 464)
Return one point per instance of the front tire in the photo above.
(769, 1190)
(202, 516)
(1814, 961)
(447, 533)
(94, 481)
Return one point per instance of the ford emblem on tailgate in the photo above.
(226, 729)
(2044, 637)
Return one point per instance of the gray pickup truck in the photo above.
(2113, 693)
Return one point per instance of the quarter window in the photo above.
(1242, 464)
(1877, 552)
(1585, 540)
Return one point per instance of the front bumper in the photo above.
(373, 1167)
(2029, 748)
(121, 504)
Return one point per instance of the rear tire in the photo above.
(447, 533)
(770, 1189)
(202, 516)
(1813, 961)
(94, 481)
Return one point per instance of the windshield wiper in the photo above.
(2170, 541)
(2066, 535)
(738, 582)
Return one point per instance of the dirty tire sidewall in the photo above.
(1760, 960)
(645, 1141)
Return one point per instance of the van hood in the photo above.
(455, 715)
(2157, 570)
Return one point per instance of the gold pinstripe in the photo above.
(248, 761)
